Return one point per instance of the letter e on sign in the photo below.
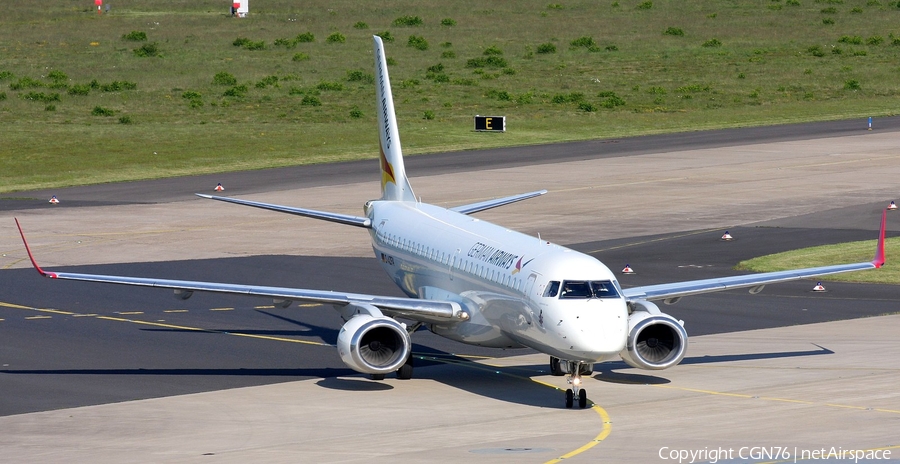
(490, 123)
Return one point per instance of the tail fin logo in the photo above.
(387, 171)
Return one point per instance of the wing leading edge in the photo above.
(676, 290)
(324, 215)
(420, 310)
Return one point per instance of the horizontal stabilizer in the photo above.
(483, 205)
(324, 215)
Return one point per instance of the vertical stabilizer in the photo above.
(394, 184)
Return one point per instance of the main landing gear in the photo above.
(575, 371)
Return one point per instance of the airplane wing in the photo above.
(672, 292)
(324, 215)
(419, 310)
(483, 205)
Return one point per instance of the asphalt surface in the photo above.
(268, 180)
(67, 344)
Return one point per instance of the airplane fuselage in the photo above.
(501, 278)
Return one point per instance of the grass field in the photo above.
(853, 252)
(177, 87)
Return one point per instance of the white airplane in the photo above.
(482, 284)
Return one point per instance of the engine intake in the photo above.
(373, 345)
(655, 341)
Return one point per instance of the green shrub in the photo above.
(852, 84)
(712, 43)
(360, 25)
(191, 95)
(80, 89)
(448, 22)
(545, 48)
(573, 97)
(555, 6)
(386, 36)
(305, 37)
(815, 50)
(656, 91)
(224, 78)
(240, 41)
(525, 98)
(875, 40)
(448, 54)
(408, 21)
(693, 88)
(467, 82)
(492, 50)
(586, 42)
(147, 50)
(676, 31)
(612, 100)
(26, 83)
(135, 36)
(501, 95)
(645, 5)
(428, 115)
(50, 108)
(125, 120)
(261, 45)
(356, 113)
(2, 96)
(829, 10)
(360, 76)
(417, 42)
(300, 57)
(117, 86)
(237, 91)
(856, 10)
(487, 62)
(311, 100)
(586, 106)
(851, 39)
(336, 37)
(101, 111)
(827, 21)
(267, 81)
(5, 75)
(287, 43)
(326, 86)
(57, 76)
(41, 97)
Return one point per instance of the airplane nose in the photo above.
(602, 329)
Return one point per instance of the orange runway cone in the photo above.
(219, 187)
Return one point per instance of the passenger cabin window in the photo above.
(572, 289)
(552, 289)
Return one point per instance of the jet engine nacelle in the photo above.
(373, 345)
(655, 340)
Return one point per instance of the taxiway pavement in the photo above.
(259, 383)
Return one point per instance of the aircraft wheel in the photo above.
(377, 376)
(570, 398)
(556, 367)
(406, 370)
(582, 398)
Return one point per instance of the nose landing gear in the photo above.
(574, 379)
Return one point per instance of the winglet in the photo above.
(879, 250)
(30, 256)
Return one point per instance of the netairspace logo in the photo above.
(781, 454)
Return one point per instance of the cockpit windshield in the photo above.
(575, 289)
